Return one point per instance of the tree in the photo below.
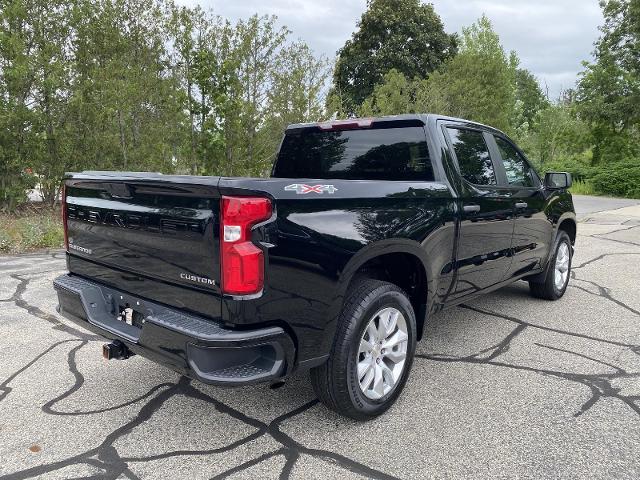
(202, 53)
(36, 80)
(297, 91)
(558, 134)
(609, 90)
(16, 118)
(405, 35)
(396, 95)
(144, 85)
(529, 94)
(278, 82)
(125, 100)
(259, 42)
(479, 83)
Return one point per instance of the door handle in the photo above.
(522, 204)
(471, 208)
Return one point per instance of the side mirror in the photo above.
(557, 180)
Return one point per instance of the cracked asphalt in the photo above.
(504, 386)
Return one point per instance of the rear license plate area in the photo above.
(129, 315)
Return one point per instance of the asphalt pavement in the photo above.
(586, 205)
(506, 386)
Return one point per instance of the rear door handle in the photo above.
(471, 208)
(522, 204)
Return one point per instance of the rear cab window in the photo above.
(375, 153)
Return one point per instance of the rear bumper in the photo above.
(197, 347)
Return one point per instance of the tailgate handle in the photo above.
(522, 205)
(119, 190)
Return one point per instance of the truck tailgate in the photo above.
(162, 228)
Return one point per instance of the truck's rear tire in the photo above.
(372, 352)
(556, 278)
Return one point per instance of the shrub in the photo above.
(5, 242)
(29, 230)
(583, 187)
(13, 188)
(577, 165)
(620, 179)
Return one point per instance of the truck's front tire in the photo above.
(372, 352)
(556, 278)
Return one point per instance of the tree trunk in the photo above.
(123, 145)
(46, 192)
(194, 165)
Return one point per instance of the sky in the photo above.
(551, 37)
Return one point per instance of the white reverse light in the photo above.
(232, 233)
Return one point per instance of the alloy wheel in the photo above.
(382, 353)
(561, 272)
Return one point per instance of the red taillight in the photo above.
(242, 263)
(64, 217)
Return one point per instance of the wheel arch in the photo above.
(401, 262)
(565, 223)
(568, 224)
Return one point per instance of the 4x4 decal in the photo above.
(303, 189)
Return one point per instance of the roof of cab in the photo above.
(386, 118)
(425, 118)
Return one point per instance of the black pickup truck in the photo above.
(365, 229)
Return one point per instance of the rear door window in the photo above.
(473, 156)
(363, 154)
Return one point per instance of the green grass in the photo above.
(30, 230)
(583, 187)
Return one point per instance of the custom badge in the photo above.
(303, 189)
(197, 279)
